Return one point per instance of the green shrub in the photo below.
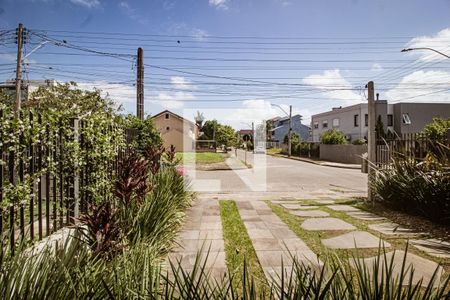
(417, 187)
(437, 129)
(333, 137)
(359, 142)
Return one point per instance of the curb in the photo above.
(325, 164)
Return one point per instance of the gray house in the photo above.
(398, 118)
(281, 128)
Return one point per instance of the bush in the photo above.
(333, 137)
(359, 142)
(437, 129)
(417, 187)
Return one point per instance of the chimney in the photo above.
(378, 96)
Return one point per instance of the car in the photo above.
(260, 150)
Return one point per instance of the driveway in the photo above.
(283, 176)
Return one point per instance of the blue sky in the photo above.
(226, 56)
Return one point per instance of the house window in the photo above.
(390, 120)
(335, 122)
(366, 120)
(167, 116)
(167, 128)
(325, 124)
(316, 125)
(406, 119)
(356, 120)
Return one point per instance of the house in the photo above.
(28, 86)
(397, 118)
(176, 130)
(280, 128)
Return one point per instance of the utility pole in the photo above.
(140, 84)
(290, 131)
(19, 35)
(253, 136)
(371, 142)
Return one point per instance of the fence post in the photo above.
(75, 192)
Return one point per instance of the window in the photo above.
(325, 124)
(356, 120)
(335, 122)
(167, 128)
(316, 125)
(167, 116)
(390, 120)
(366, 120)
(406, 119)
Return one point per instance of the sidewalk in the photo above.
(320, 162)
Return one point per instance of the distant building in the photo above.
(28, 87)
(280, 128)
(176, 130)
(397, 118)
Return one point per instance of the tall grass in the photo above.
(420, 187)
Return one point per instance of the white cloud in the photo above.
(174, 100)
(439, 41)
(86, 3)
(119, 93)
(199, 34)
(219, 4)
(422, 86)
(180, 82)
(376, 68)
(334, 86)
(131, 12)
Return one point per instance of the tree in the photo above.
(379, 128)
(209, 129)
(437, 129)
(225, 135)
(333, 137)
(147, 135)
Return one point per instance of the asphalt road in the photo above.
(282, 176)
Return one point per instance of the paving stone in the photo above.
(274, 225)
(211, 226)
(423, 268)
(189, 234)
(210, 234)
(192, 225)
(293, 244)
(186, 246)
(263, 212)
(283, 233)
(326, 224)
(211, 245)
(355, 239)
(433, 247)
(272, 258)
(254, 218)
(266, 244)
(255, 225)
(392, 229)
(247, 212)
(310, 213)
(244, 205)
(206, 219)
(324, 201)
(366, 216)
(343, 208)
(298, 206)
(260, 234)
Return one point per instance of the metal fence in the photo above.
(47, 193)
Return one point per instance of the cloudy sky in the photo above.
(232, 59)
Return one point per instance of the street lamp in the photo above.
(425, 48)
(290, 125)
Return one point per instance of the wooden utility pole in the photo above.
(290, 132)
(19, 34)
(140, 84)
(371, 141)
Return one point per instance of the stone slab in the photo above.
(392, 229)
(345, 208)
(355, 239)
(260, 234)
(324, 201)
(433, 247)
(365, 216)
(263, 244)
(326, 224)
(298, 206)
(310, 213)
(423, 268)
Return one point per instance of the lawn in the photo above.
(201, 158)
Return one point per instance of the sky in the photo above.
(234, 59)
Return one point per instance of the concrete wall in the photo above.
(347, 154)
(420, 114)
(176, 131)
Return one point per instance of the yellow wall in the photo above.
(175, 131)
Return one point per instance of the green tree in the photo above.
(437, 129)
(333, 137)
(379, 128)
(225, 135)
(147, 132)
(209, 129)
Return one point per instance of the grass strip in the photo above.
(238, 246)
(201, 158)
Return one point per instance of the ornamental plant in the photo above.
(333, 137)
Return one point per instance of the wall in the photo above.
(179, 134)
(347, 154)
(420, 114)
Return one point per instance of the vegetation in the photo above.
(417, 187)
(201, 158)
(359, 142)
(272, 151)
(239, 249)
(437, 130)
(147, 134)
(379, 128)
(333, 137)
(223, 134)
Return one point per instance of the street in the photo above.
(287, 177)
